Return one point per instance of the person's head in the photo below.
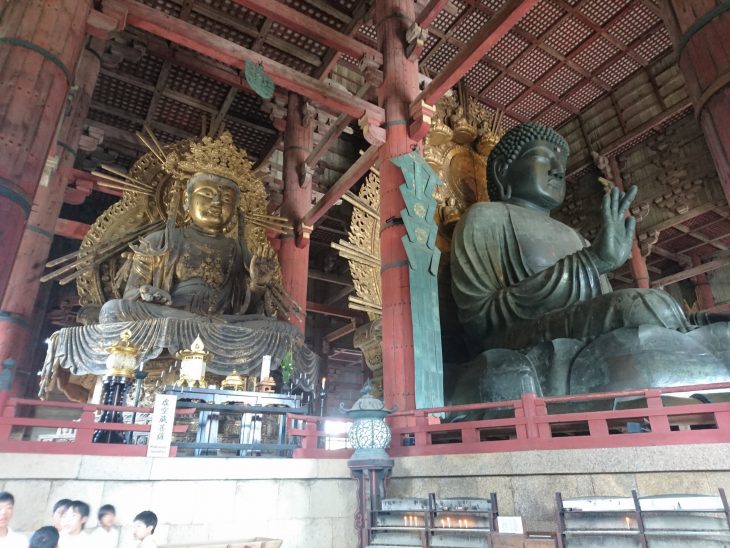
(211, 201)
(106, 516)
(75, 518)
(144, 524)
(59, 509)
(45, 537)
(7, 504)
(528, 166)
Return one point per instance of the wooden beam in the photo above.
(318, 308)
(234, 55)
(429, 12)
(332, 134)
(691, 272)
(345, 183)
(71, 229)
(636, 133)
(341, 294)
(491, 33)
(329, 278)
(306, 26)
(679, 258)
(341, 332)
(332, 56)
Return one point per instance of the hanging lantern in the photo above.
(192, 365)
(369, 434)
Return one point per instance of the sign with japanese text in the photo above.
(163, 419)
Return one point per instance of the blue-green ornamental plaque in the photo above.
(258, 80)
(423, 261)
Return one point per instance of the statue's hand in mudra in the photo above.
(612, 246)
(262, 271)
(154, 295)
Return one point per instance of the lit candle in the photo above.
(448, 521)
(405, 521)
(628, 522)
(324, 380)
(442, 523)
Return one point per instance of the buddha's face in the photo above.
(537, 176)
(212, 205)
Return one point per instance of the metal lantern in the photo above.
(120, 366)
(369, 435)
(122, 357)
(192, 365)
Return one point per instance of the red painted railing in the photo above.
(13, 428)
(538, 423)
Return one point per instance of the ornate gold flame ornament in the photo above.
(462, 135)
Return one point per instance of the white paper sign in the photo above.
(163, 419)
(510, 524)
(265, 367)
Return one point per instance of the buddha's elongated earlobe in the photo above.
(504, 189)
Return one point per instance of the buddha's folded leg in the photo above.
(589, 319)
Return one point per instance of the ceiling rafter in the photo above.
(185, 99)
(487, 37)
(234, 55)
(307, 26)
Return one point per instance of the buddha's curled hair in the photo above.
(510, 147)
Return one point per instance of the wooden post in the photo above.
(294, 250)
(40, 43)
(703, 291)
(399, 90)
(699, 31)
(22, 289)
(637, 262)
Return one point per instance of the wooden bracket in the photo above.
(415, 40)
(373, 133)
(371, 71)
(112, 18)
(302, 233)
(421, 116)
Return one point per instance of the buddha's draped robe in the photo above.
(204, 275)
(520, 277)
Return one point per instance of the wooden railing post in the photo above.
(7, 410)
(659, 423)
(86, 425)
(421, 434)
(529, 409)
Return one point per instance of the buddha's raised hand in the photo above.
(612, 246)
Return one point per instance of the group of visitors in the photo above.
(68, 530)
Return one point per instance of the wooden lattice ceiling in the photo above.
(561, 57)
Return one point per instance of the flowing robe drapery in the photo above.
(520, 277)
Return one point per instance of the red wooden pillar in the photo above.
(40, 43)
(399, 89)
(637, 262)
(700, 31)
(703, 291)
(22, 289)
(294, 251)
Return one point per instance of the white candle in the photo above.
(265, 367)
(324, 380)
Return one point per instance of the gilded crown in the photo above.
(219, 156)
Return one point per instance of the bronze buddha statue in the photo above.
(523, 282)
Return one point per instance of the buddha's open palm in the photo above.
(612, 246)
